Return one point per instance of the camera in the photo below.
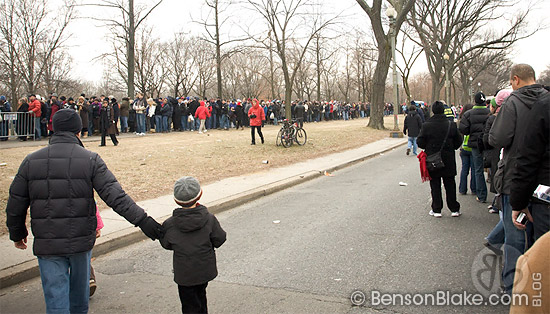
(522, 218)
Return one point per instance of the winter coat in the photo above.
(260, 116)
(125, 107)
(532, 166)
(239, 112)
(58, 183)
(106, 120)
(22, 126)
(202, 112)
(473, 123)
(54, 107)
(489, 152)
(165, 110)
(84, 115)
(431, 139)
(36, 107)
(413, 123)
(299, 111)
(510, 124)
(5, 107)
(193, 234)
(139, 105)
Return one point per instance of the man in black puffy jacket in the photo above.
(473, 124)
(58, 182)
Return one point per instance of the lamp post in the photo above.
(447, 82)
(471, 90)
(479, 86)
(392, 13)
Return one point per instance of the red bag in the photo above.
(424, 174)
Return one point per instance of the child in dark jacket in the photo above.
(192, 233)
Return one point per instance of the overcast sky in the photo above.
(89, 40)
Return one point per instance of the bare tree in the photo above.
(544, 77)
(285, 20)
(409, 58)
(124, 31)
(57, 70)
(8, 47)
(374, 13)
(454, 28)
(205, 66)
(180, 65)
(150, 68)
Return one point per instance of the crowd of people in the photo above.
(506, 136)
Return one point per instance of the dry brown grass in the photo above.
(147, 167)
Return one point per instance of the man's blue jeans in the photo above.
(224, 123)
(481, 186)
(165, 123)
(496, 236)
(140, 121)
(184, 123)
(124, 123)
(412, 143)
(158, 123)
(514, 244)
(66, 282)
(467, 164)
(37, 131)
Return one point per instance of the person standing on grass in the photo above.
(413, 124)
(257, 116)
(63, 212)
(202, 113)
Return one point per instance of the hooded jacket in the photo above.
(58, 182)
(193, 234)
(202, 112)
(413, 123)
(510, 124)
(473, 123)
(258, 112)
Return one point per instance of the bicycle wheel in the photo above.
(301, 136)
(278, 140)
(286, 138)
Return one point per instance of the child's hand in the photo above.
(98, 233)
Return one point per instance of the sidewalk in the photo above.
(19, 265)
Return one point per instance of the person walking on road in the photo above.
(256, 115)
(107, 122)
(413, 124)
(438, 133)
(63, 212)
(192, 233)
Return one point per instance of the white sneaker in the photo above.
(431, 213)
(437, 215)
(205, 131)
(455, 214)
(200, 132)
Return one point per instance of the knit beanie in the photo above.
(67, 120)
(187, 191)
(480, 98)
(438, 107)
(501, 96)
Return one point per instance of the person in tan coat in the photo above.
(532, 278)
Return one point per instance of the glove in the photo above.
(252, 116)
(151, 228)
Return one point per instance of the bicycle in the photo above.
(290, 133)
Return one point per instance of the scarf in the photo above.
(424, 174)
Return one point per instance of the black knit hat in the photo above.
(438, 107)
(480, 98)
(67, 120)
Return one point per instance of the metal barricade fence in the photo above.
(16, 124)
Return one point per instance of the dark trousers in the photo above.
(113, 138)
(193, 298)
(450, 193)
(259, 128)
(541, 219)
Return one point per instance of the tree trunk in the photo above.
(131, 48)
(379, 86)
(218, 54)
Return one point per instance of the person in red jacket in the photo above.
(35, 107)
(256, 115)
(202, 113)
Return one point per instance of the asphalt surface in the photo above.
(355, 230)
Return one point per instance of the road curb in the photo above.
(107, 243)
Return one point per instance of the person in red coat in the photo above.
(202, 113)
(35, 108)
(256, 115)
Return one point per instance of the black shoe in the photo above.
(116, 144)
(252, 143)
(93, 287)
(262, 140)
(408, 151)
(497, 252)
(101, 145)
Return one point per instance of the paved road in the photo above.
(355, 230)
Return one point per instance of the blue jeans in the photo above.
(124, 123)
(158, 124)
(140, 122)
(412, 142)
(481, 186)
(467, 164)
(165, 123)
(514, 244)
(224, 122)
(37, 131)
(184, 123)
(496, 236)
(66, 282)
(90, 125)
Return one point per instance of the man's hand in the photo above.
(515, 214)
(21, 244)
(151, 228)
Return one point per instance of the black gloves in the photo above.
(252, 116)
(151, 228)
